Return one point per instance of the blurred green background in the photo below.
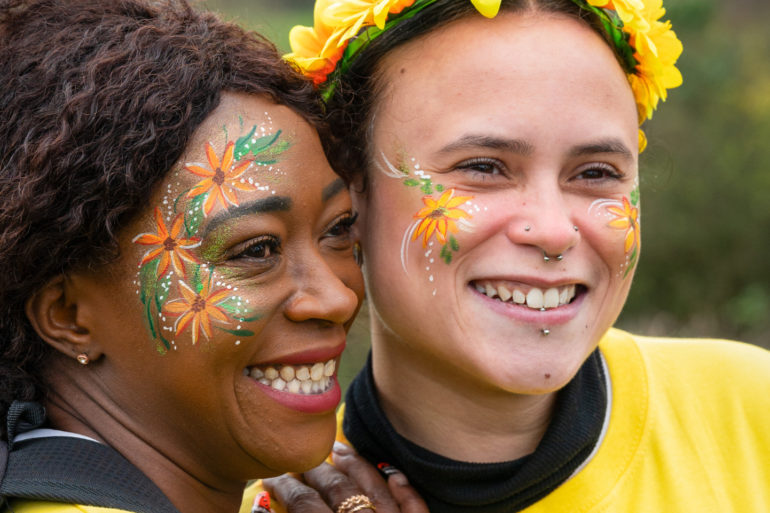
(705, 265)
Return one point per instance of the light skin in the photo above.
(188, 415)
(535, 142)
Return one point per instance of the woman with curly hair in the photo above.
(493, 151)
(177, 270)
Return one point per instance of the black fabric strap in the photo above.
(450, 486)
(77, 471)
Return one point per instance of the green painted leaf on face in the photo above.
(193, 214)
(242, 146)
(635, 197)
(237, 333)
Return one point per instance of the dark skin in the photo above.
(324, 488)
(193, 419)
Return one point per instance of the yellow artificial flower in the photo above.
(317, 50)
(488, 8)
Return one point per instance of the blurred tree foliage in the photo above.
(705, 266)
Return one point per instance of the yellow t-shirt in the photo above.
(689, 431)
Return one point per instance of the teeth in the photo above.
(551, 298)
(300, 379)
(534, 298)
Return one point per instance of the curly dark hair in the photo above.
(350, 107)
(98, 99)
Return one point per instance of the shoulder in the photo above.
(693, 354)
(26, 506)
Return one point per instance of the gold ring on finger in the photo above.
(356, 503)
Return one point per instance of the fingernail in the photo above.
(386, 469)
(399, 478)
(341, 448)
(261, 503)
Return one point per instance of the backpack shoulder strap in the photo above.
(78, 471)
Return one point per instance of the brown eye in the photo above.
(263, 248)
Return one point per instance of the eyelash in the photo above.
(345, 222)
(607, 172)
(270, 242)
(471, 166)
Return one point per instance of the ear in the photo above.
(53, 313)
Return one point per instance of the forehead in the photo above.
(518, 70)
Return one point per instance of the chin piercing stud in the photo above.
(545, 332)
(83, 359)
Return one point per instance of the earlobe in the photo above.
(53, 313)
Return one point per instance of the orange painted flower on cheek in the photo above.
(198, 309)
(171, 248)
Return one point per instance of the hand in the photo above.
(326, 487)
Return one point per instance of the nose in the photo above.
(543, 220)
(321, 295)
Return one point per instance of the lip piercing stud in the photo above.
(558, 257)
(545, 332)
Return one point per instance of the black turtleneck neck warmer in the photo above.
(450, 486)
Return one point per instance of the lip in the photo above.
(550, 317)
(313, 403)
(317, 354)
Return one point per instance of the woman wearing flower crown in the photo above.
(492, 150)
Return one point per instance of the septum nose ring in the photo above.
(557, 258)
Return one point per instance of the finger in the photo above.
(407, 497)
(333, 485)
(295, 496)
(365, 476)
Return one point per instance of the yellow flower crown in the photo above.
(648, 48)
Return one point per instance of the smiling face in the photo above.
(224, 319)
(486, 158)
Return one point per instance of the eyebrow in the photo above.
(332, 189)
(614, 146)
(486, 141)
(260, 206)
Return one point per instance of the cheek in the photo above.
(615, 230)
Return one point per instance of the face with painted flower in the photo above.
(232, 297)
(500, 223)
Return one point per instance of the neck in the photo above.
(452, 414)
(80, 405)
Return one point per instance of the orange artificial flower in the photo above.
(171, 248)
(221, 179)
(197, 309)
(439, 216)
(626, 218)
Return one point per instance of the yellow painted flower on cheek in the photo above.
(626, 217)
(439, 217)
